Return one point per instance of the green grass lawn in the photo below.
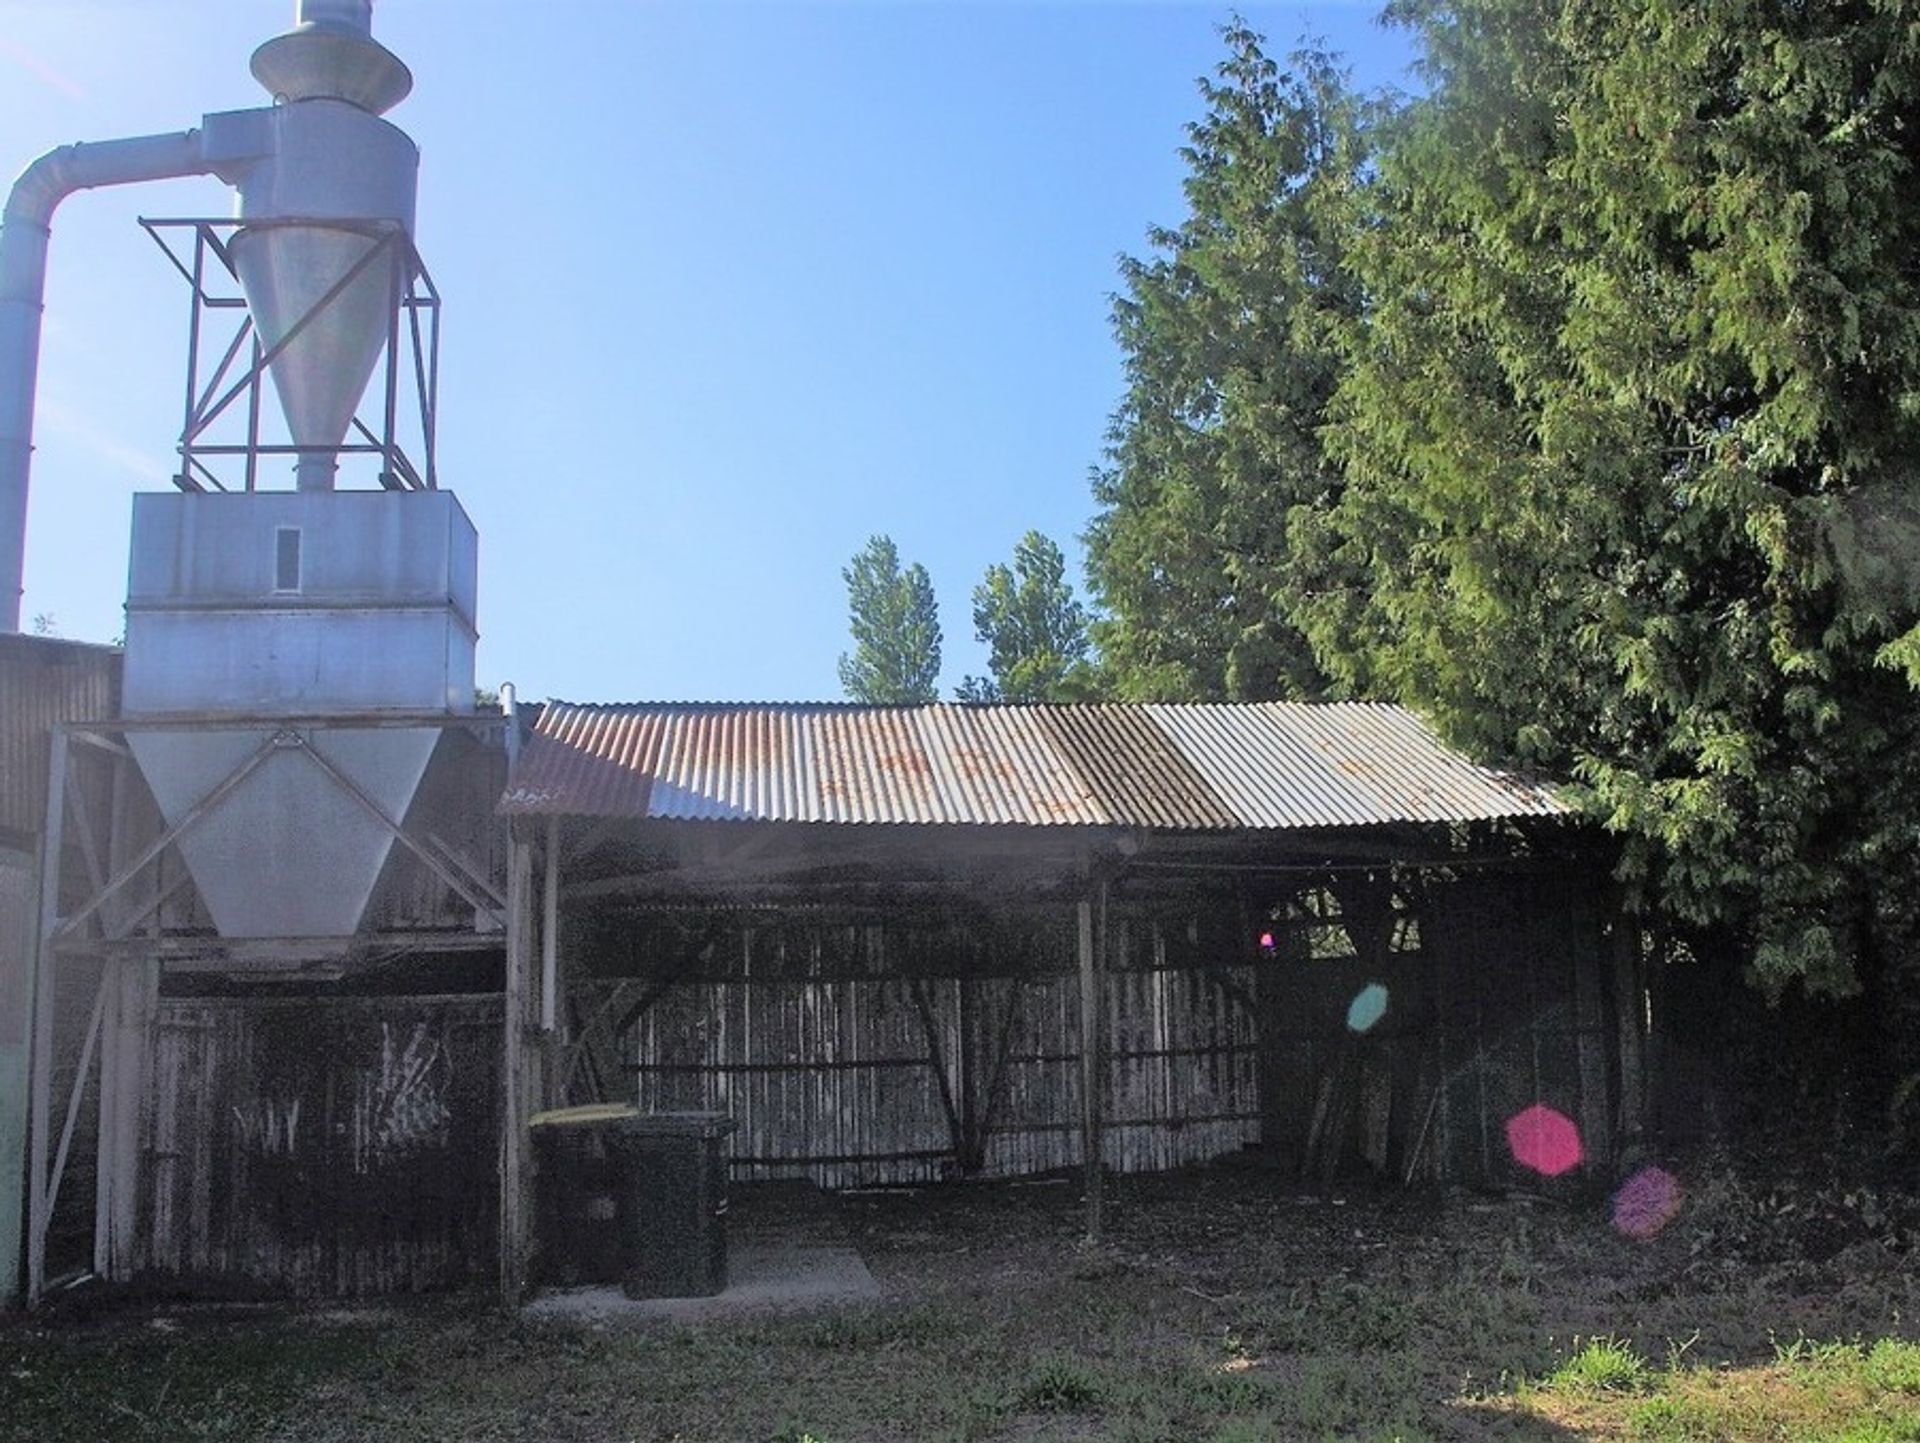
(1220, 1310)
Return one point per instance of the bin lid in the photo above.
(677, 1124)
(581, 1116)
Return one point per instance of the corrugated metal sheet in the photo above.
(45, 681)
(1212, 767)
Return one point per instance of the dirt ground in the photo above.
(1222, 1304)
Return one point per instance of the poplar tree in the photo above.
(1034, 628)
(896, 629)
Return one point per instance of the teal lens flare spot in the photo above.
(1367, 1007)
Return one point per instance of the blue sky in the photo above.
(728, 287)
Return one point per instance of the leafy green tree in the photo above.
(1627, 427)
(1035, 631)
(1226, 336)
(1573, 402)
(896, 629)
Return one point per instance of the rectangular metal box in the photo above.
(300, 601)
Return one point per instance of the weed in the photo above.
(1059, 1384)
(1605, 1365)
(1810, 1353)
(1667, 1419)
(1245, 1430)
(1893, 1366)
(1344, 1315)
(866, 1329)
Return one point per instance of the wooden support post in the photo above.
(1630, 1019)
(515, 1219)
(109, 1120)
(41, 991)
(972, 1144)
(1092, 1051)
(126, 1038)
(550, 931)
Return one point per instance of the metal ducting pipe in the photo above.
(355, 15)
(23, 285)
(333, 160)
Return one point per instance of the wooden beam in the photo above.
(1628, 991)
(514, 1218)
(550, 931)
(1092, 1070)
(971, 1148)
(280, 953)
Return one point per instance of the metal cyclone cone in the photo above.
(287, 273)
(336, 183)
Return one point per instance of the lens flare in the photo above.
(1646, 1202)
(1544, 1141)
(1266, 941)
(1368, 1007)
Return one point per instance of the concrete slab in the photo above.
(773, 1276)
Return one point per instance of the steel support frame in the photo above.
(123, 1007)
(211, 395)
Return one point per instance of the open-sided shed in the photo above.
(903, 944)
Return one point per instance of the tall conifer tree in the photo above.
(1224, 331)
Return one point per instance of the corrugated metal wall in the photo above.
(323, 1146)
(43, 682)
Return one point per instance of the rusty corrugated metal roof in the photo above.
(1203, 767)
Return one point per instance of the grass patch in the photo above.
(1223, 1314)
(1819, 1392)
(1059, 1384)
(1603, 1365)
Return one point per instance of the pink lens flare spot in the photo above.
(1646, 1202)
(1266, 941)
(1545, 1141)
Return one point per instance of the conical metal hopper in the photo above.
(287, 272)
(289, 851)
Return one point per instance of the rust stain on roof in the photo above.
(1202, 767)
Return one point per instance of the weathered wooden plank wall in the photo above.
(909, 1075)
(905, 1051)
(1522, 1017)
(323, 1146)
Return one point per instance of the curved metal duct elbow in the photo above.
(23, 284)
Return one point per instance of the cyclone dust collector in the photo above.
(279, 639)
